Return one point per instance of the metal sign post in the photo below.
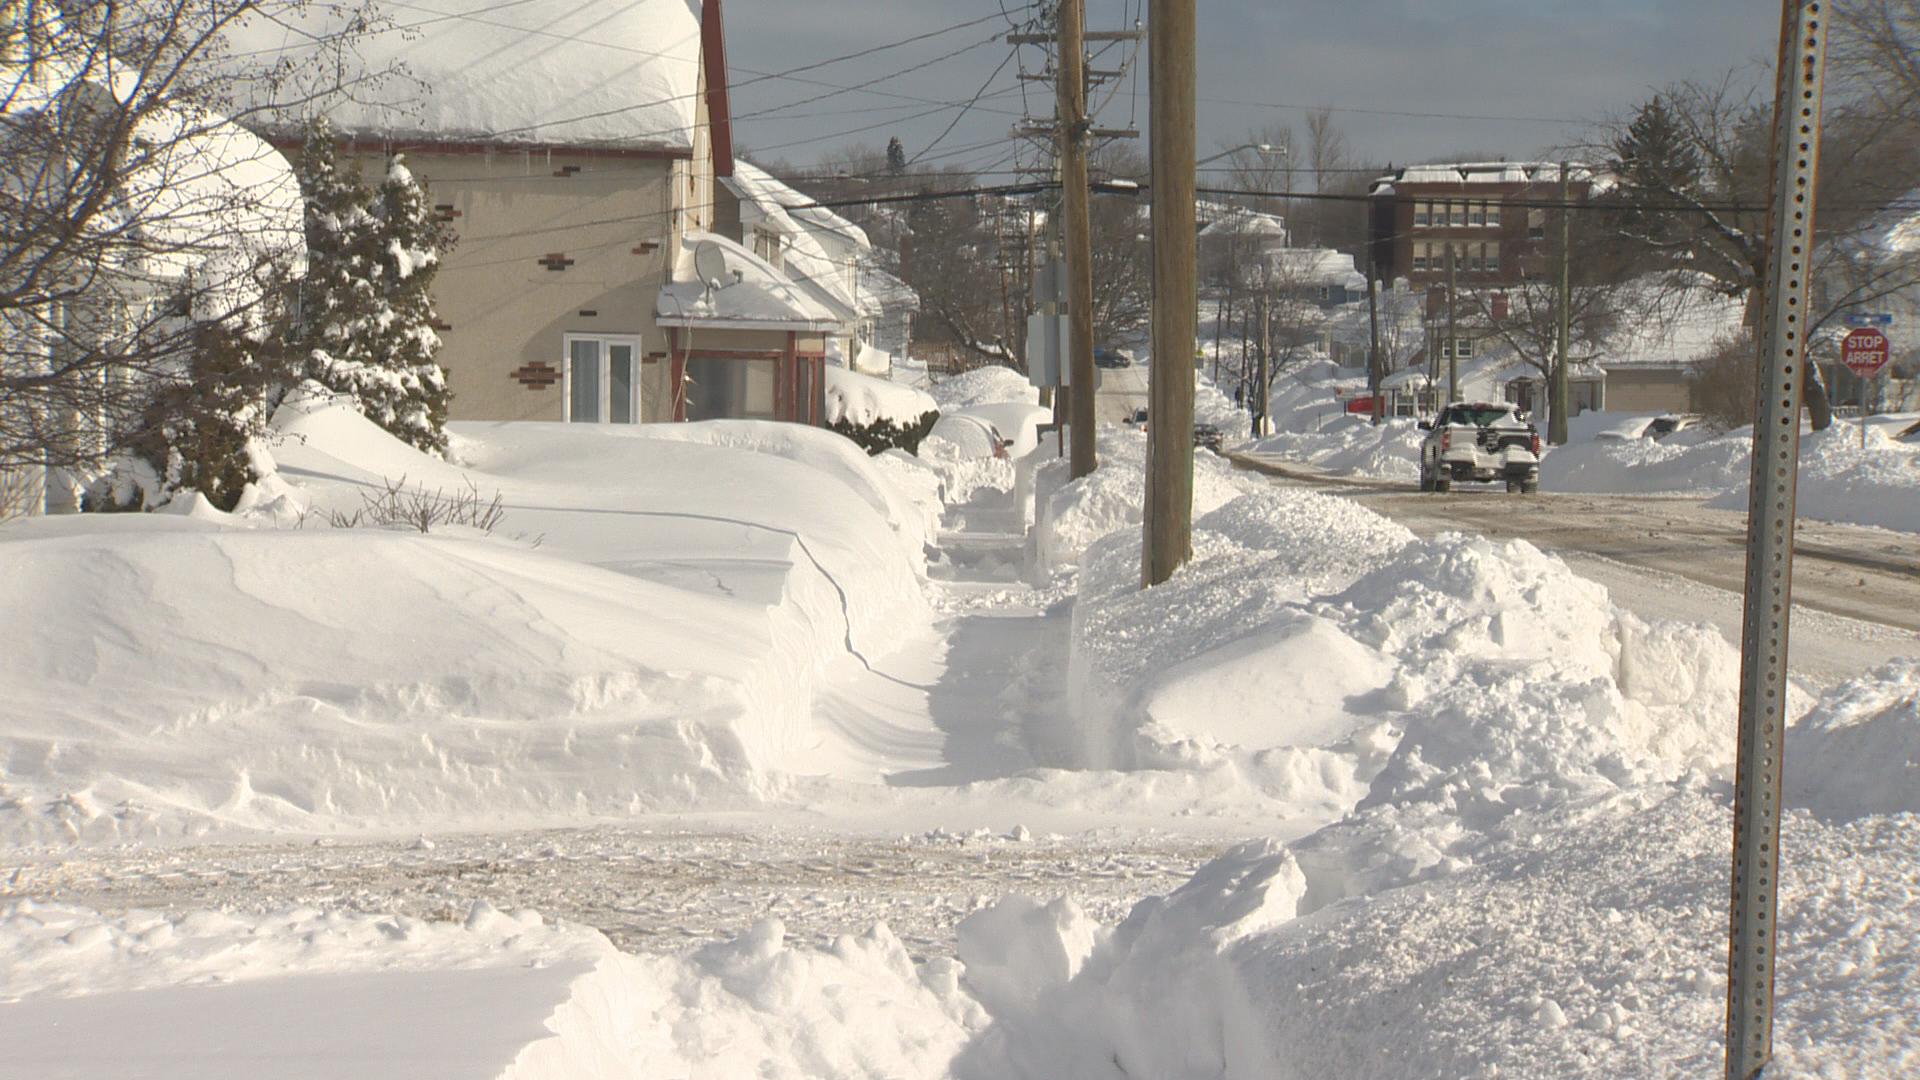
(1770, 510)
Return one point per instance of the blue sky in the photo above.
(1408, 79)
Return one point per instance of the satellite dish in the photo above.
(710, 262)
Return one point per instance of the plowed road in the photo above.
(1856, 590)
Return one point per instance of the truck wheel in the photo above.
(1529, 487)
(1426, 480)
(1442, 484)
(1513, 486)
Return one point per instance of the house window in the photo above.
(766, 244)
(603, 379)
(1463, 347)
(1422, 213)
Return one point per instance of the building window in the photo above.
(1420, 256)
(766, 244)
(1463, 347)
(602, 379)
(1493, 258)
(1493, 213)
(1536, 224)
(1422, 213)
(1477, 214)
(1457, 213)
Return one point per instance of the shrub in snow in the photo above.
(203, 426)
(885, 433)
(366, 310)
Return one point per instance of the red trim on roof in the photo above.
(713, 58)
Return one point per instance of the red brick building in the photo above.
(1491, 218)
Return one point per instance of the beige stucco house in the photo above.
(575, 151)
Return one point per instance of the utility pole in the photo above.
(1557, 405)
(1376, 373)
(1070, 90)
(1771, 490)
(1453, 339)
(1266, 363)
(1167, 527)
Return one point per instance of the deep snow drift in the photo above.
(1492, 808)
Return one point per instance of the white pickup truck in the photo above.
(1480, 440)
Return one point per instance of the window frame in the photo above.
(603, 376)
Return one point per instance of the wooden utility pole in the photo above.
(1557, 394)
(1266, 363)
(1167, 527)
(1376, 372)
(1771, 491)
(1070, 89)
(1453, 338)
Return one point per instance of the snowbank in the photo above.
(984, 386)
(862, 399)
(1532, 882)
(478, 994)
(1350, 445)
(1069, 515)
(643, 631)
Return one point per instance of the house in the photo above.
(1649, 363)
(1232, 237)
(576, 152)
(194, 225)
(1320, 276)
(1488, 219)
(827, 255)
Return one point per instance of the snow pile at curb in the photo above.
(1069, 515)
(1350, 445)
(1841, 481)
(482, 994)
(1688, 462)
(643, 631)
(862, 399)
(984, 386)
(1533, 883)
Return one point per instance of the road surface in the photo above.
(1856, 590)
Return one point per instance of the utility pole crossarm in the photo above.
(1088, 35)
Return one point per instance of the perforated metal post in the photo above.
(1770, 511)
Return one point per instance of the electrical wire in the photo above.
(968, 107)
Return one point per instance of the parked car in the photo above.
(970, 436)
(1112, 358)
(1205, 436)
(1662, 426)
(1483, 441)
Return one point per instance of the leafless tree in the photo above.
(132, 206)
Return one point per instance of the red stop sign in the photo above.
(1864, 351)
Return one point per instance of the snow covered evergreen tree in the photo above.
(366, 307)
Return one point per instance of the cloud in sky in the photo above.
(1523, 76)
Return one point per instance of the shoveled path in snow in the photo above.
(831, 855)
(1856, 589)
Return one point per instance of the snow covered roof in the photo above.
(1484, 172)
(807, 255)
(1669, 327)
(1239, 221)
(758, 297)
(200, 200)
(618, 74)
(1317, 266)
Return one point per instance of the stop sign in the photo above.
(1864, 351)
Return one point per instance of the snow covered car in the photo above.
(1483, 441)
